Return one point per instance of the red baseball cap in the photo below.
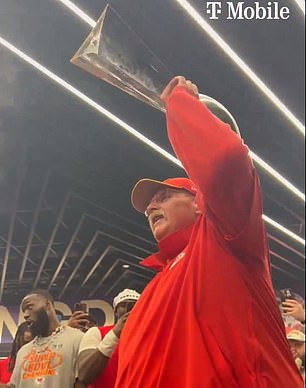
(145, 189)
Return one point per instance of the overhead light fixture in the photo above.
(77, 11)
(224, 46)
(241, 64)
(301, 4)
(285, 245)
(277, 176)
(111, 116)
(284, 230)
(88, 101)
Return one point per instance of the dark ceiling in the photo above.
(66, 171)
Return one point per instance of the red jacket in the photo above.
(210, 319)
(5, 375)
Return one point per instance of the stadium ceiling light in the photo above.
(65, 85)
(277, 175)
(301, 4)
(281, 228)
(77, 11)
(241, 64)
(88, 100)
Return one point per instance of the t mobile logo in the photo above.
(241, 11)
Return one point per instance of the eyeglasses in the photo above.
(164, 194)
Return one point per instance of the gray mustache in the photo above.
(153, 216)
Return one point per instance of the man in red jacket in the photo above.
(209, 319)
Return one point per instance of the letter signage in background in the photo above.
(246, 10)
(7, 322)
(11, 317)
(104, 307)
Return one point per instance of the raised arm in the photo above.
(214, 157)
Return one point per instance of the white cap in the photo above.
(125, 295)
(296, 335)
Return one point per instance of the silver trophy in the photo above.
(114, 53)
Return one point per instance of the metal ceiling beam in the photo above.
(15, 248)
(36, 245)
(147, 278)
(111, 213)
(26, 282)
(85, 254)
(139, 274)
(67, 250)
(275, 225)
(272, 253)
(115, 264)
(284, 207)
(123, 275)
(43, 210)
(106, 251)
(117, 282)
(78, 227)
(33, 224)
(127, 271)
(150, 275)
(35, 235)
(51, 240)
(79, 263)
(97, 219)
(283, 271)
(109, 249)
(10, 234)
(110, 270)
(282, 243)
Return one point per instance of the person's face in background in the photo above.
(36, 310)
(297, 349)
(27, 337)
(124, 307)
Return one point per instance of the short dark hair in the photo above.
(43, 293)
